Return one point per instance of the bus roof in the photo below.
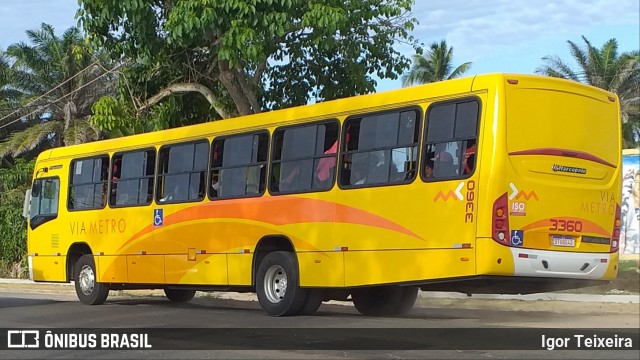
(319, 111)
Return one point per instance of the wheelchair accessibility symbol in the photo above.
(517, 236)
(158, 217)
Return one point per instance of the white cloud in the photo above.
(480, 28)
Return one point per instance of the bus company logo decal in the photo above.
(451, 194)
(569, 169)
(518, 194)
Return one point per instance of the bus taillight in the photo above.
(500, 220)
(615, 235)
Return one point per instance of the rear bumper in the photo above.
(570, 265)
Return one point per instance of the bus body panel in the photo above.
(556, 158)
(411, 233)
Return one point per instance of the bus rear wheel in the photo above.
(384, 300)
(312, 302)
(277, 285)
(89, 291)
(179, 295)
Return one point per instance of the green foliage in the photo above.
(58, 77)
(13, 183)
(109, 114)
(435, 65)
(607, 69)
(253, 54)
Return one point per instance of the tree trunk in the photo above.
(69, 114)
(229, 79)
(186, 87)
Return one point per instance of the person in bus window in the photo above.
(443, 163)
(470, 156)
(428, 169)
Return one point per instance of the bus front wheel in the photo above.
(277, 284)
(89, 291)
(384, 300)
(179, 295)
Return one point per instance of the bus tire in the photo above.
(179, 295)
(312, 302)
(89, 291)
(384, 300)
(277, 284)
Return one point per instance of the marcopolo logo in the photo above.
(568, 169)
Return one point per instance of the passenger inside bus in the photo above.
(428, 169)
(443, 162)
(470, 156)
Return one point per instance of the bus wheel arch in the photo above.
(88, 289)
(76, 251)
(266, 245)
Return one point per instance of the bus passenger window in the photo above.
(132, 178)
(380, 149)
(238, 166)
(88, 183)
(450, 140)
(181, 172)
(304, 158)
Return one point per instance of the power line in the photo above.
(50, 91)
(56, 100)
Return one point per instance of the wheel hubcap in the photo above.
(86, 279)
(275, 284)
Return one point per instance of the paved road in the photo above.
(31, 310)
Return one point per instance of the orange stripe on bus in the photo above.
(295, 210)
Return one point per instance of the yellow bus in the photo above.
(493, 183)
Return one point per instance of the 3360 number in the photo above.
(566, 225)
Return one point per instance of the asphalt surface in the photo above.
(441, 319)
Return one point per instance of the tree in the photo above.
(607, 69)
(435, 65)
(59, 78)
(13, 242)
(245, 56)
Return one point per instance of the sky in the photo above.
(508, 36)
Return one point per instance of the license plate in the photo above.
(565, 241)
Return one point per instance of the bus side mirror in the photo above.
(26, 207)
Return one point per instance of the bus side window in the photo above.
(181, 172)
(380, 148)
(132, 178)
(304, 158)
(88, 182)
(237, 166)
(450, 140)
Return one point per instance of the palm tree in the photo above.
(436, 65)
(60, 79)
(606, 69)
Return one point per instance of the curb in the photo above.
(591, 298)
